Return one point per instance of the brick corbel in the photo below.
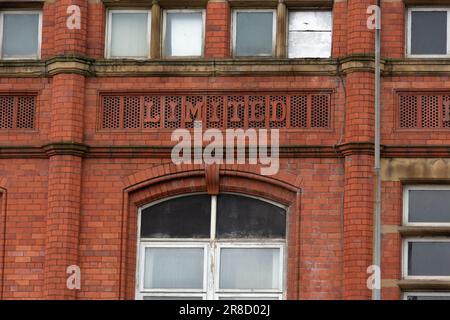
(73, 149)
(69, 64)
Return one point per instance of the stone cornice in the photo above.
(220, 67)
(205, 67)
(414, 67)
(22, 68)
(286, 151)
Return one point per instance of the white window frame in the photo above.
(408, 33)
(425, 293)
(310, 10)
(163, 45)
(406, 190)
(234, 30)
(109, 30)
(272, 293)
(36, 56)
(405, 257)
(212, 254)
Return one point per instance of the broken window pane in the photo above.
(309, 34)
(184, 34)
(428, 32)
(254, 33)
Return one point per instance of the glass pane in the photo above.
(185, 217)
(172, 298)
(184, 34)
(254, 33)
(249, 268)
(429, 297)
(429, 258)
(173, 268)
(309, 44)
(129, 35)
(429, 206)
(20, 35)
(428, 32)
(310, 20)
(244, 217)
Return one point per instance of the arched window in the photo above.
(211, 247)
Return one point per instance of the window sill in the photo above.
(411, 231)
(424, 284)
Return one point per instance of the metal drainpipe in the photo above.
(376, 291)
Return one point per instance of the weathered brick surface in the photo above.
(63, 209)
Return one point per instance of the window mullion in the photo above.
(212, 265)
(213, 217)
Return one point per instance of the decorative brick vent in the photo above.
(142, 112)
(424, 110)
(17, 112)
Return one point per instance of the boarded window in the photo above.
(309, 34)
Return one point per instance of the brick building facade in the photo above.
(81, 151)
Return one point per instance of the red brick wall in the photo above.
(60, 209)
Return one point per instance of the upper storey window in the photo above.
(183, 33)
(309, 34)
(428, 35)
(254, 33)
(128, 34)
(20, 34)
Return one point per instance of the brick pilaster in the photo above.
(217, 29)
(359, 130)
(65, 166)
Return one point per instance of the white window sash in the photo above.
(212, 247)
(406, 221)
(33, 56)
(405, 257)
(408, 33)
(141, 270)
(165, 12)
(109, 31)
(234, 31)
(250, 245)
(425, 293)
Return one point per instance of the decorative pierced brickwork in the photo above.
(284, 111)
(420, 110)
(17, 112)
